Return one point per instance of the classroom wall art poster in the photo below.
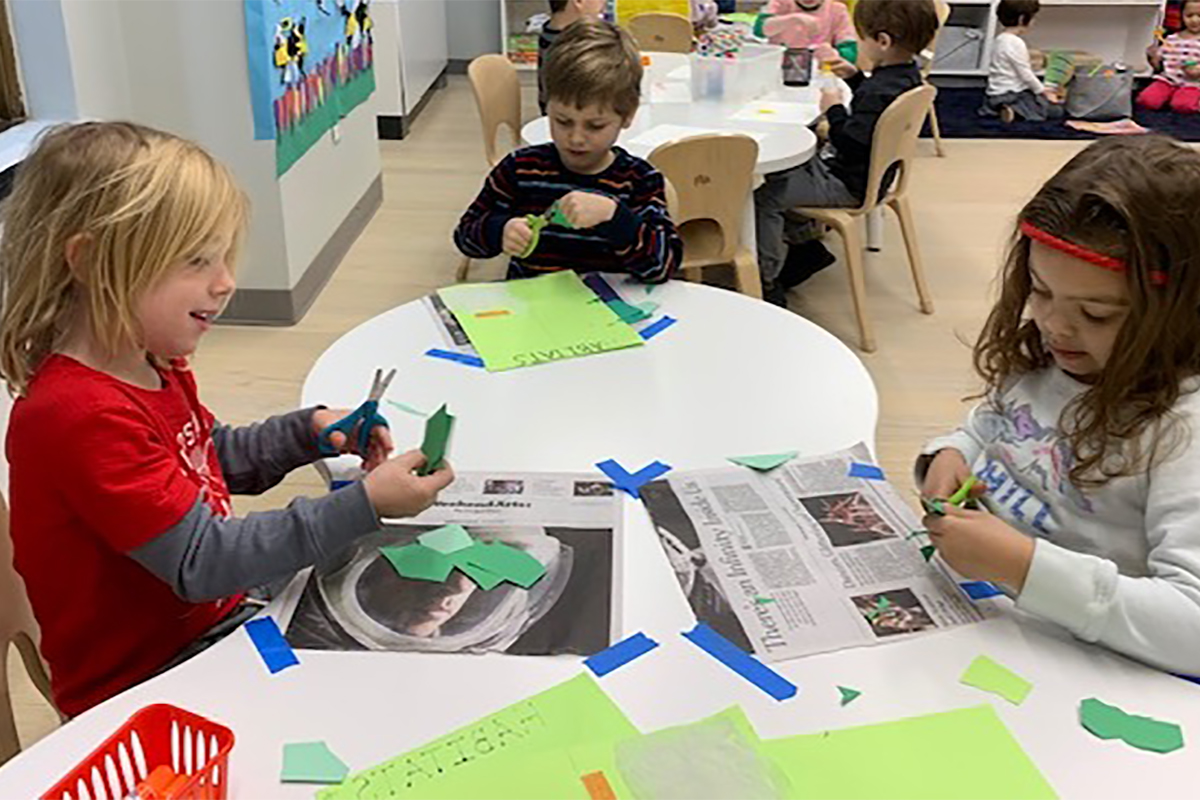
(310, 64)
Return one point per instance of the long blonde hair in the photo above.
(139, 200)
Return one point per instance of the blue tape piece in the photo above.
(461, 358)
(276, 653)
(603, 289)
(980, 590)
(740, 661)
(620, 654)
(631, 483)
(335, 485)
(655, 328)
(868, 471)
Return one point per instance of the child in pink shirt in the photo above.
(821, 24)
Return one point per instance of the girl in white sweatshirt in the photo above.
(1087, 440)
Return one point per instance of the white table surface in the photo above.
(733, 376)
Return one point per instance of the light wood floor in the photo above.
(964, 203)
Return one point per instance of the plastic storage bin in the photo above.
(757, 70)
(157, 735)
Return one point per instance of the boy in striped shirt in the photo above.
(614, 203)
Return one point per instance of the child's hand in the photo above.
(395, 490)
(829, 99)
(842, 68)
(587, 209)
(517, 236)
(981, 547)
(1154, 55)
(1192, 72)
(948, 471)
(1053, 96)
(378, 448)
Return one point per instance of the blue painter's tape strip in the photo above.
(620, 654)
(655, 328)
(461, 358)
(335, 485)
(631, 483)
(981, 590)
(741, 662)
(603, 289)
(868, 471)
(276, 653)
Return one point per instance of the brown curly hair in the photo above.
(1134, 198)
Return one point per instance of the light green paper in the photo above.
(764, 463)
(986, 674)
(552, 319)
(628, 313)
(437, 440)
(848, 695)
(511, 563)
(649, 307)
(571, 714)
(966, 754)
(418, 562)
(407, 409)
(1144, 733)
(447, 539)
(311, 762)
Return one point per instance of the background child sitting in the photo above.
(821, 24)
(892, 33)
(1013, 90)
(615, 203)
(1179, 59)
(562, 14)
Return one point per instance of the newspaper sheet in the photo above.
(802, 559)
(571, 523)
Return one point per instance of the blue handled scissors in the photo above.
(365, 419)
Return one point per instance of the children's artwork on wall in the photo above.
(310, 64)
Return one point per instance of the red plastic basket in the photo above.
(157, 735)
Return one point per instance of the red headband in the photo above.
(1157, 277)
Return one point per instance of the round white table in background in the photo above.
(733, 376)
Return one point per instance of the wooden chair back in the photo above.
(497, 92)
(895, 143)
(662, 33)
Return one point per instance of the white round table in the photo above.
(732, 376)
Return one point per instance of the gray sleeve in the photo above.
(205, 558)
(256, 457)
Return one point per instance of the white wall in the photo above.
(424, 45)
(386, 14)
(180, 65)
(43, 59)
(473, 27)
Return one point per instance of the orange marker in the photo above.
(598, 787)
(500, 312)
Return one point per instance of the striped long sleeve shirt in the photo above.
(640, 239)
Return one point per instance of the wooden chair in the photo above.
(497, 91)
(662, 33)
(895, 143)
(17, 627)
(927, 57)
(709, 180)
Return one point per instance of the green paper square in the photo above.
(418, 562)
(484, 578)
(447, 539)
(311, 762)
(437, 438)
(765, 462)
(986, 674)
(511, 563)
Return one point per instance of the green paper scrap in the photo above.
(848, 695)
(649, 307)
(764, 463)
(986, 674)
(447, 539)
(552, 319)
(882, 604)
(510, 563)
(762, 601)
(407, 409)
(485, 578)
(418, 562)
(311, 762)
(507, 743)
(928, 550)
(1144, 733)
(437, 438)
(948, 756)
(628, 313)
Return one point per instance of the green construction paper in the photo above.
(764, 463)
(848, 695)
(418, 562)
(1144, 733)
(955, 755)
(986, 674)
(485, 578)
(649, 307)
(928, 550)
(628, 313)
(311, 762)
(510, 563)
(540, 775)
(447, 539)
(437, 438)
(762, 601)
(572, 714)
(552, 319)
(407, 409)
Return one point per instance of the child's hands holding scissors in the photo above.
(981, 546)
(947, 472)
(517, 235)
(378, 450)
(587, 209)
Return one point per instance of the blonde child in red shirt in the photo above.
(118, 252)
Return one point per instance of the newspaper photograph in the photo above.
(802, 559)
(569, 523)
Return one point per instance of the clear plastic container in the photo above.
(755, 71)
